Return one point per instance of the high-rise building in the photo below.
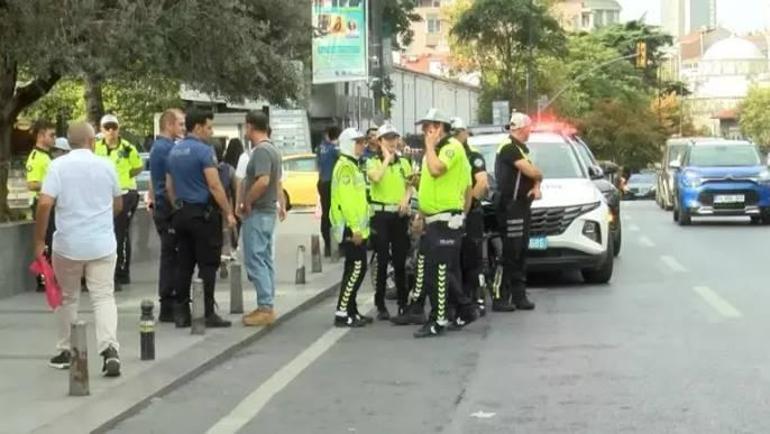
(681, 17)
(586, 15)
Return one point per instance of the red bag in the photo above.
(52, 290)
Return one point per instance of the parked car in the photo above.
(300, 179)
(641, 186)
(675, 150)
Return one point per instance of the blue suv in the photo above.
(721, 178)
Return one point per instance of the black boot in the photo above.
(524, 303)
(482, 307)
(383, 314)
(166, 312)
(182, 316)
(348, 321)
(502, 305)
(429, 330)
(215, 321)
(414, 314)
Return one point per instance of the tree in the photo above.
(755, 117)
(672, 118)
(398, 16)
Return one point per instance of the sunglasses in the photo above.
(110, 127)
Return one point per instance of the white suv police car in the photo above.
(570, 226)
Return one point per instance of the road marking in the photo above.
(633, 228)
(673, 264)
(722, 306)
(646, 241)
(247, 409)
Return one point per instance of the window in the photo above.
(434, 24)
(724, 156)
(430, 3)
(300, 165)
(599, 19)
(586, 20)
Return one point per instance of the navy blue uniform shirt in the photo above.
(158, 169)
(327, 158)
(186, 163)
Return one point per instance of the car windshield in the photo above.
(641, 178)
(675, 152)
(724, 156)
(556, 160)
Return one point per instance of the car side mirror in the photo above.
(595, 172)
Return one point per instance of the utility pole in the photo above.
(530, 41)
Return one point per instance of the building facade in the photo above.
(681, 17)
(586, 15)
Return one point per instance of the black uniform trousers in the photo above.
(438, 271)
(352, 276)
(325, 193)
(514, 219)
(123, 235)
(168, 256)
(48, 239)
(198, 230)
(472, 253)
(391, 242)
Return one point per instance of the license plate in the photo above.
(538, 243)
(729, 198)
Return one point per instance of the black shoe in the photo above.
(62, 361)
(118, 286)
(123, 280)
(383, 314)
(40, 283)
(468, 314)
(414, 315)
(215, 321)
(524, 304)
(348, 321)
(166, 312)
(182, 316)
(111, 365)
(364, 319)
(456, 324)
(502, 306)
(482, 307)
(429, 330)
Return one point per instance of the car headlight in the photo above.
(692, 179)
(763, 177)
(592, 231)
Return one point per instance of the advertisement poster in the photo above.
(339, 41)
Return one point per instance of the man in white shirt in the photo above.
(84, 190)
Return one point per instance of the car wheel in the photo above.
(618, 240)
(603, 274)
(286, 200)
(675, 214)
(683, 217)
(756, 220)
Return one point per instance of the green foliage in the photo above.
(398, 16)
(755, 116)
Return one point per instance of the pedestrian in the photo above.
(227, 178)
(372, 145)
(200, 202)
(518, 182)
(60, 147)
(350, 223)
(473, 239)
(38, 162)
(390, 194)
(328, 153)
(262, 202)
(85, 191)
(233, 155)
(444, 197)
(128, 164)
(172, 128)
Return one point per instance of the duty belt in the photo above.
(443, 217)
(379, 207)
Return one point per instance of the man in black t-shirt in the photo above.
(518, 183)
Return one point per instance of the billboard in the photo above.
(339, 41)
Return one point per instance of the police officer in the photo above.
(518, 183)
(193, 186)
(473, 239)
(444, 197)
(350, 224)
(390, 194)
(128, 164)
(44, 133)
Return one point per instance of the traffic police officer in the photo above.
(37, 167)
(390, 194)
(350, 225)
(444, 197)
(473, 240)
(193, 186)
(128, 164)
(518, 183)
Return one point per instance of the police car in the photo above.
(570, 226)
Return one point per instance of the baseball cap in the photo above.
(109, 119)
(62, 144)
(387, 129)
(434, 115)
(458, 124)
(518, 121)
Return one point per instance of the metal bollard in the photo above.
(236, 288)
(198, 314)
(315, 254)
(147, 331)
(335, 253)
(299, 279)
(79, 363)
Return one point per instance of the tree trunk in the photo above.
(94, 99)
(5, 166)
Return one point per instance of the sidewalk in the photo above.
(33, 396)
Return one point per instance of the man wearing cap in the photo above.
(350, 225)
(38, 161)
(390, 194)
(61, 147)
(444, 197)
(128, 164)
(518, 182)
(473, 239)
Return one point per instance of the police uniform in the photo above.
(37, 167)
(473, 239)
(197, 226)
(513, 217)
(390, 229)
(162, 213)
(126, 158)
(350, 214)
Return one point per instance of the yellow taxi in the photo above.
(300, 179)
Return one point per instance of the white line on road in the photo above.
(633, 228)
(247, 409)
(722, 306)
(673, 264)
(646, 241)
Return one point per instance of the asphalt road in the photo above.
(677, 343)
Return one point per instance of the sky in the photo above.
(740, 16)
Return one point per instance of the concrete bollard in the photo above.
(147, 331)
(336, 254)
(315, 254)
(299, 279)
(236, 288)
(79, 364)
(198, 314)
